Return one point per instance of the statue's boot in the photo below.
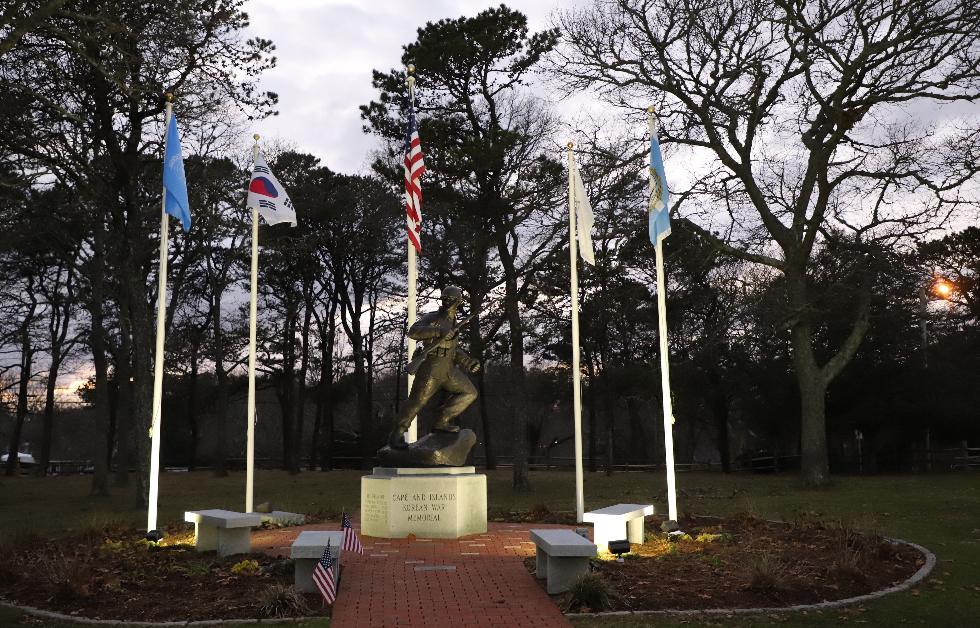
(396, 440)
(445, 425)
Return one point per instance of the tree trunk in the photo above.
(637, 447)
(593, 415)
(220, 462)
(610, 439)
(301, 392)
(323, 439)
(47, 427)
(287, 387)
(718, 402)
(59, 319)
(478, 351)
(192, 409)
(814, 465)
(103, 430)
(143, 396)
(124, 402)
(521, 480)
(26, 363)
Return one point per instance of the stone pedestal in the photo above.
(431, 503)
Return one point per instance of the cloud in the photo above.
(326, 50)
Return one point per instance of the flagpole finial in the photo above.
(570, 145)
(256, 138)
(169, 96)
(410, 68)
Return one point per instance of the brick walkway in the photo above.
(476, 581)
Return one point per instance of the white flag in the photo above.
(266, 195)
(584, 217)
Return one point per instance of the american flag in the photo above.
(351, 542)
(323, 576)
(414, 168)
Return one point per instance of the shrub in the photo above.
(767, 573)
(706, 538)
(246, 567)
(281, 600)
(590, 591)
(70, 577)
(198, 568)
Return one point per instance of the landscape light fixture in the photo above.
(619, 548)
(154, 536)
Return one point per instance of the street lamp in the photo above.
(941, 288)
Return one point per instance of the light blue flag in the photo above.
(174, 184)
(659, 196)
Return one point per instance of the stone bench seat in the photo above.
(306, 552)
(615, 523)
(226, 531)
(562, 556)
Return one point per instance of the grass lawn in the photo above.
(941, 512)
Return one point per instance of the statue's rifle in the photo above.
(422, 353)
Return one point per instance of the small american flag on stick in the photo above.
(414, 167)
(323, 576)
(351, 542)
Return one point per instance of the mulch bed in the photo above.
(115, 574)
(742, 562)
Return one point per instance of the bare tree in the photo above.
(804, 112)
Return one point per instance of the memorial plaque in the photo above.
(436, 503)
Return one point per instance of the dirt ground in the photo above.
(743, 562)
(114, 574)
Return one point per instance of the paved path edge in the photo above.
(913, 580)
(40, 612)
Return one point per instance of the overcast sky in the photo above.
(326, 50)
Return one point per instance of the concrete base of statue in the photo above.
(431, 503)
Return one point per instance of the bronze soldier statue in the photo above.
(438, 362)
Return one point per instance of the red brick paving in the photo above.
(403, 582)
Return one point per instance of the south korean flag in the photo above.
(266, 195)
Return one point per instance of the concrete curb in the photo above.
(913, 580)
(38, 612)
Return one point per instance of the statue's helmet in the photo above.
(451, 295)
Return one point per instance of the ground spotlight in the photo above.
(619, 548)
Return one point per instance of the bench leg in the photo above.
(234, 541)
(605, 531)
(563, 571)
(634, 530)
(205, 537)
(540, 563)
(303, 574)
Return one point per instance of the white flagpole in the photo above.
(155, 425)
(576, 369)
(413, 272)
(664, 360)
(252, 309)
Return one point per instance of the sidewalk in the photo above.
(476, 581)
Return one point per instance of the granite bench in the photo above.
(226, 531)
(614, 523)
(562, 556)
(307, 550)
